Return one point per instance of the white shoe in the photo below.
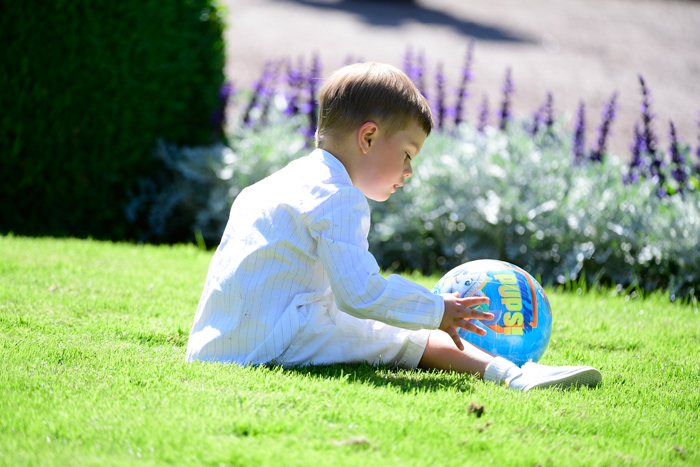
(536, 376)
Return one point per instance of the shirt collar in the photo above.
(332, 163)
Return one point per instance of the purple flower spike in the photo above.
(408, 63)
(508, 88)
(549, 113)
(580, 134)
(314, 76)
(638, 166)
(467, 76)
(268, 92)
(351, 59)
(679, 171)
(650, 138)
(226, 91)
(483, 114)
(440, 99)
(418, 73)
(698, 151)
(604, 129)
(218, 116)
(294, 82)
(647, 117)
(536, 122)
(259, 92)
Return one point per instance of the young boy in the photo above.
(293, 282)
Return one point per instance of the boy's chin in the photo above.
(379, 197)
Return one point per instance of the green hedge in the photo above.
(87, 87)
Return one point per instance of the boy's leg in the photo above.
(331, 336)
(341, 338)
(442, 354)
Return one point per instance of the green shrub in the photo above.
(88, 87)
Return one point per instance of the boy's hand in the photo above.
(458, 313)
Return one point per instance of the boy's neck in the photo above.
(346, 151)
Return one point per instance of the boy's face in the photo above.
(387, 162)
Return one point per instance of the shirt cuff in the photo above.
(438, 312)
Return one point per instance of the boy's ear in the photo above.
(367, 136)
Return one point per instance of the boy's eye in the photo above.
(408, 156)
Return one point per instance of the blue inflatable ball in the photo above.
(522, 321)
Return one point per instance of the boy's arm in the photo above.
(341, 234)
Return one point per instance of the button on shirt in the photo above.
(294, 241)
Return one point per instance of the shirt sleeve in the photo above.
(340, 229)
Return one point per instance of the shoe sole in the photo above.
(585, 377)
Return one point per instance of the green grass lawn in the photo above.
(92, 372)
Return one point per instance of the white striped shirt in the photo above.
(295, 240)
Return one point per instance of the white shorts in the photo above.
(332, 336)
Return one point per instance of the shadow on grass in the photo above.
(388, 376)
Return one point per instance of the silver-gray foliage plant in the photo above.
(194, 193)
(473, 195)
(507, 196)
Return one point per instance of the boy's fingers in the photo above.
(483, 316)
(471, 313)
(471, 327)
(455, 337)
(464, 323)
(474, 301)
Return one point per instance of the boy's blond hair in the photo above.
(371, 91)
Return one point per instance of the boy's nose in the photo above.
(408, 170)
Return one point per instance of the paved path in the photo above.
(578, 49)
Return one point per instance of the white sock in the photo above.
(501, 370)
